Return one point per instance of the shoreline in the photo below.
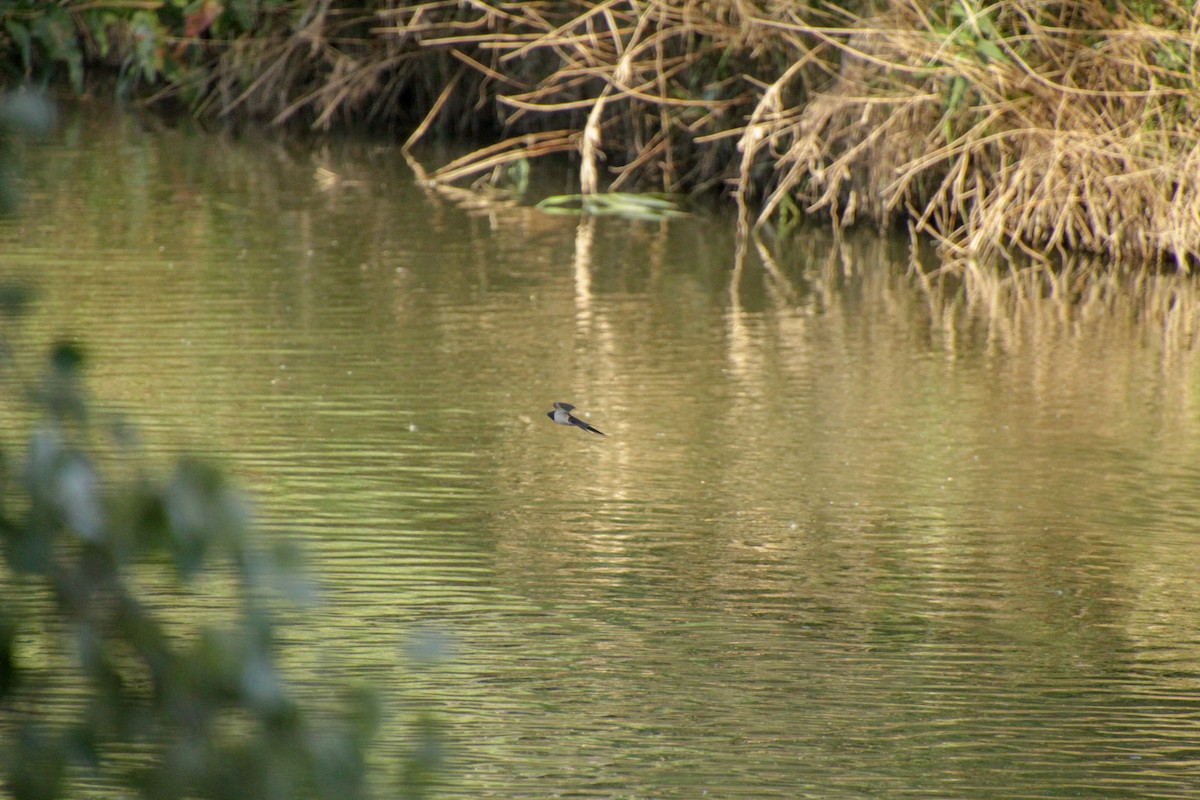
(1011, 129)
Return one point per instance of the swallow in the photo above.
(562, 416)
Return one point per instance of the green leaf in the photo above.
(990, 52)
(651, 207)
(203, 513)
(20, 34)
(958, 89)
(77, 495)
(62, 388)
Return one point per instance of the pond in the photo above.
(851, 531)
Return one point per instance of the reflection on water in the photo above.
(853, 531)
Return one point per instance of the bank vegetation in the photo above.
(1018, 127)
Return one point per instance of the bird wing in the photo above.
(587, 427)
(564, 407)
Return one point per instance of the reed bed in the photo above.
(1047, 128)
(1017, 126)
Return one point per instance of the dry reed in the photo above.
(1062, 133)
(1016, 126)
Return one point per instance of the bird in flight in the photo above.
(562, 416)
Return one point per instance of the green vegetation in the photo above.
(22, 114)
(139, 619)
(648, 207)
(1016, 126)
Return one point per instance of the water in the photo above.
(850, 534)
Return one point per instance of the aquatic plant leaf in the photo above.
(621, 204)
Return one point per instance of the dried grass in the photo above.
(1013, 127)
(1062, 133)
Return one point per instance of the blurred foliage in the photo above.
(22, 113)
(165, 693)
(145, 42)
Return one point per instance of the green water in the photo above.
(850, 534)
